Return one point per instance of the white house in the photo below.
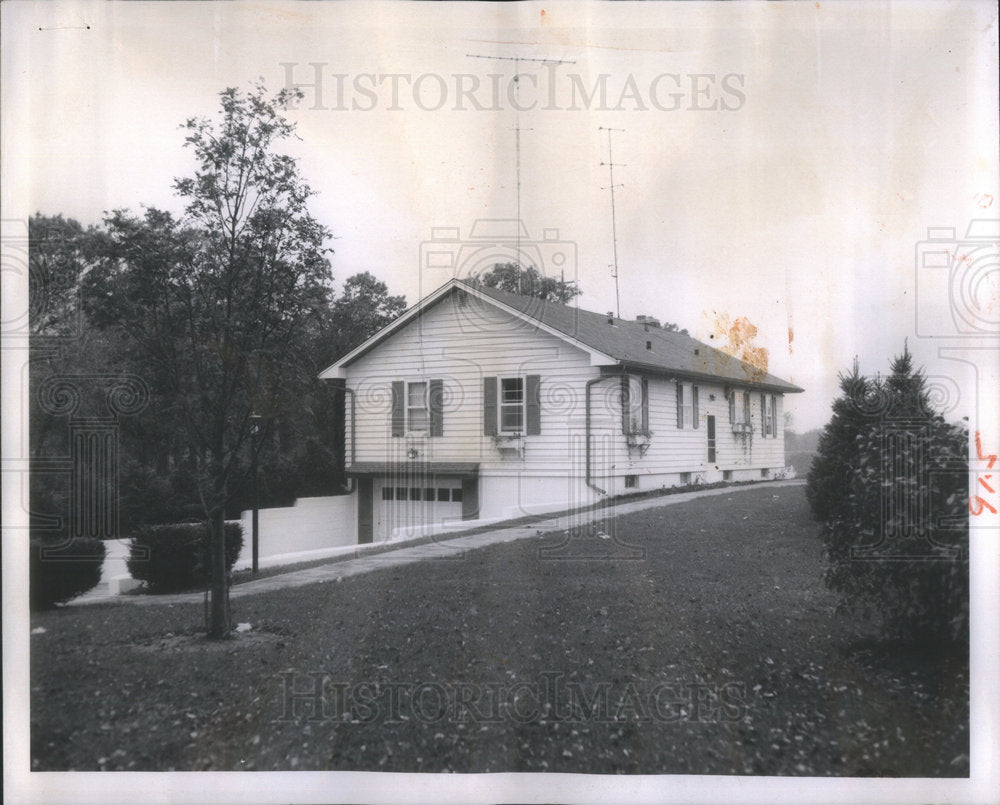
(482, 404)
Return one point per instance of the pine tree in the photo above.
(837, 454)
(890, 484)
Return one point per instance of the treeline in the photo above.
(95, 360)
(170, 355)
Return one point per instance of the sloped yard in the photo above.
(693, 638)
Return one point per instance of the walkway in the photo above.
(445, 546)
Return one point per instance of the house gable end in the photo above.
(474, 296)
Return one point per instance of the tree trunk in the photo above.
(219, 627)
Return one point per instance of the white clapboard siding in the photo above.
(462, 345)
(672, 449)
(461, 349)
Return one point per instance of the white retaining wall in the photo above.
(312, 525)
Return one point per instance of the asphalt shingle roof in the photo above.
(625, 341)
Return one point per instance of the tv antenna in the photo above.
(517, 133)
(614, 228)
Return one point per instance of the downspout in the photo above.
(586, 395)
(350, 479)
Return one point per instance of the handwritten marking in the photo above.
(977, 503)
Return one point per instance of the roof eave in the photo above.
(652, 368)
(338, 369)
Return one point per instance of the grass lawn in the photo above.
(697, 639)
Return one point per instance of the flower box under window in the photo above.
(509, 443)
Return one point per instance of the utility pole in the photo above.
(517, 132)
(255, 524)
(614, 228)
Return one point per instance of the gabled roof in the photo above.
(621, 344)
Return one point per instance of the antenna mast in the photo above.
(614, 228)
(517, 132)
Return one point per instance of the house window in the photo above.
(443, 494)
(739, 408)
(387, 493)
(417, 416)
(727, 475)
(417, 407)
(511, 404)
(774, 416)
(631, 481)
(685, 478)
(635, 404)
(694, 406)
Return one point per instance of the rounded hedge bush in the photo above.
(60, 570)
(177, 557)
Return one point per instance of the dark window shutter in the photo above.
(680, 404)
(435, 405)
(763, 415)
(398, 414)
(746, 408)
(732, 407)
(774, 416)
(626, 404)
(694, 406)
(490, 406)
(533, 405)
(645, 405)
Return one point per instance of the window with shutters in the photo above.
(739, 411)
(511, 404)
(417, 407)
(774, 416)
(417, 416)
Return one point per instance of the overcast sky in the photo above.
(780, 162)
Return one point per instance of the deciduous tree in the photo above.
(528, 281)
(215, 302)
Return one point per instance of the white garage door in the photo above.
(405, 503)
